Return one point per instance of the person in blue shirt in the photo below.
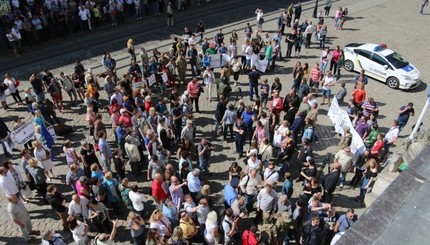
(223, 49)
(121, 132)
(287, 187)
(247, 120)
(206, 61)
(230, 195)
(345, 221)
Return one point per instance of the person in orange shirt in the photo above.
(359, 94)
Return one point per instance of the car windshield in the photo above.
(397, 60)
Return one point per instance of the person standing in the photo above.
(423, 4)
(12, 84)
(260, 20)
(105, 151)
(254, 76)
(249, 186)
(404, 113)
(329, 182)
(20, 216)
(169, 13)
(57, 202)
(345, 158)
(327, 7)
(133, 155)
(204, 151)
(193, 89)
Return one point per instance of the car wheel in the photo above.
(393, 82)
(348, 65)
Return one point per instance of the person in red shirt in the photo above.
(378, 146)
(316, 76)
(159, 191)
(148, 104)
(125, 118)
(277, 102)
(334, 60)
(193, 91)
(249, 237)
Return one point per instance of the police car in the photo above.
(382, 64)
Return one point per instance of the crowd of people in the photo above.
(155, 127)
(34, 21)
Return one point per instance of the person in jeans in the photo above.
(204, 151)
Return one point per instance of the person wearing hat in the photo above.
(345, 157)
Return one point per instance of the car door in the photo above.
(379, 67)
(363, 59)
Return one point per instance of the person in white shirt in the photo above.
(391, 136)
(7, 183)
(209, 80)
(308, 32)
(11, 84)
(78, 207)
(137, 200)
(84, 15)
(270, 174)
(260, 20)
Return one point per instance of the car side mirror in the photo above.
(385, 67)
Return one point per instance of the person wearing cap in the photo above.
(404, 113)
(345, 157)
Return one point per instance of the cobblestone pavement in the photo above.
(394, 22)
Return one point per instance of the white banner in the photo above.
(219, 60)
(340, 119)
(261, 65)
(25, 133)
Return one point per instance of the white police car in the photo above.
(382, 64)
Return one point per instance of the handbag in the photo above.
(17, 83)
(48, 153)
(260, 156)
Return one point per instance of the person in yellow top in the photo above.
(187, 225)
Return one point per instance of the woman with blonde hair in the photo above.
(130, 49)
(90, 118)
(369, 179)
(137, 228)
(43, 155)
(39, 177)
(161, 223)
(177, 236)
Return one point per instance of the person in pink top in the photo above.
(334, 59)
(316, 75)
(193, 91)
(82, 189)
(260, 133)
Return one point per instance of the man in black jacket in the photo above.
(329, 182)
(313, 232)
(57, 202)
